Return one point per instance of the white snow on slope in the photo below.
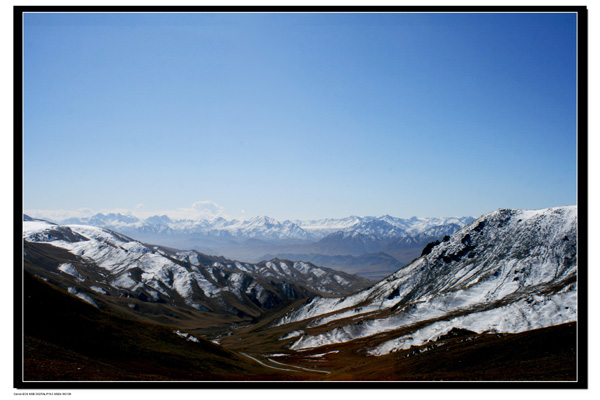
(118, 254)
(524, 315)
(149, 270)
(36, 226)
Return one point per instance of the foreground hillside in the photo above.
(66, 339)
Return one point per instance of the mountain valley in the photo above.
(495, 299)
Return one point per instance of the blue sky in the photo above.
(300, 115)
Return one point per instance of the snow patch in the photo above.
(186, 336)
(292, 335)
(69, 269)
(98, 290)
(82, 296)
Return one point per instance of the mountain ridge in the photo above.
(105, 267)
(385, 226)
(328, 238)
(503, 263)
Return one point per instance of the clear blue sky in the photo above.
(300, 115)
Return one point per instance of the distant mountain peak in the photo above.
(158, 220)
(224, 236)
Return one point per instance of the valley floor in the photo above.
(68, 340)
(547, 354)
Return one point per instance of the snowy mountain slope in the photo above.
(98, 262)
(385, 226)
(509, 271)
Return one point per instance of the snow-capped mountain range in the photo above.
(385, 227)
(98, 265)
(508, 271)
(372, 247)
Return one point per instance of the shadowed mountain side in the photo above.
(547, 354)
(66, 339)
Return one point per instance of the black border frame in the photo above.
(582, 204)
